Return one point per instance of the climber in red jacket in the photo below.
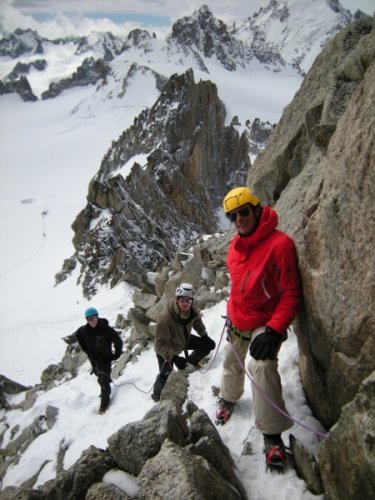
(264, 299)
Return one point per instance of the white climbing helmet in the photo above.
(185, 290)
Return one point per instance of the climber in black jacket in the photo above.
(96, 339)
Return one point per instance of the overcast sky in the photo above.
(54, 18)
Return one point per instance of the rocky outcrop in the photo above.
(258, 134)
(8, 387)
(136, 217)
(90, 72)
(21, 42)
(318, 171)
(24, 68)
(21, 86)
(105, 45)
(351, 474)
(208, 36)
(165, 440)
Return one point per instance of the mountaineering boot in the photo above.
(274, 450)
(103, 406)
(224, 412)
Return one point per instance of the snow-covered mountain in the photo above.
(295, 30)
(109, 81)
(286, 33)
(262, 49)
(52, 147)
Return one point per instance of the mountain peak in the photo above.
(204, 33)
(297, 30)
(21, 42)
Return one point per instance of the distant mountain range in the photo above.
(190, 154)
(286, 34)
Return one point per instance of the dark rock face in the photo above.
(318, 171)
(135, 221)
(21, 42)
(7, 386)
(132, 445)
(88, 73)
(208, 36)
(351, 474)
(259, 134)
(21, 87)
(24, 68)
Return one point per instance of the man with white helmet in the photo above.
(173, 336)
(264, 299)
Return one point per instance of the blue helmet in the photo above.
(91, 311)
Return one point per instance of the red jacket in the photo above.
(264, 275)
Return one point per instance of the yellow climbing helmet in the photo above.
(238, 197)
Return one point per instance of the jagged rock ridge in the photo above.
(270, 31)
(134, 221)
(193, 40)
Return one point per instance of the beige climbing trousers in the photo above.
(265, 375)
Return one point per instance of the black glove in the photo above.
(180, 362)
(208, 342)
(116, 355)
(265, 345)
(93, 372)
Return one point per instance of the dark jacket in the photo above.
(97, 342)
(173, 332)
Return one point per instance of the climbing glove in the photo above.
(180, 362)
(266, 344)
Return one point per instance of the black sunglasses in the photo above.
(243, 212)
(92, 317)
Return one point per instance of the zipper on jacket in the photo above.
(243, 283)
(266, 293)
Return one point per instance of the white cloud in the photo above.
(69, 17)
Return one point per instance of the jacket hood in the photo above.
(267, 223)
